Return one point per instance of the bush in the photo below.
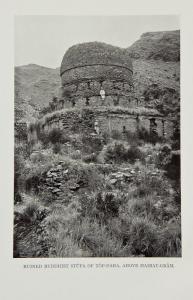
(173, 166)
(169, 161)
(151, 184)
(102, 205)
(132, 138)
(56, 135)
(169, 243)
(33, 212)
(142, 237)
(46, 197)
(134, 153)
(142, 207)
(107, 204)
(64, 246)
(57, 148)
(97, 239)
(91, 144)
(148, 137)
(119, 153)
(115, 153)
(41, 157)
(75, 154)
(33, 183)
(43, 137)
(90, 158)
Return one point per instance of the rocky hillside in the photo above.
(37, 84)
(161, 45)
(156, 64)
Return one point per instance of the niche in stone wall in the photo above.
(115, 123)
(153, 126)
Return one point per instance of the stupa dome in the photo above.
(95, 60)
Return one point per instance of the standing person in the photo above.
(102, 93)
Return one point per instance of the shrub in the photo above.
(40, 157)
(141, 237)
(148, 137)
(169, 161)
(134, 153)
(30, 212)
(107, 204)
(45, 196)
(64, 246)
(102, 205)
(57, 148)
(142, 207)
(91, 144)
(132, 138)
(169, 243)
(173, 166)
(33, 212)
(32, 183)
(164, 155)
(75, 154)
(115, 152)
(149, 184)
(56, 135)
(97, 239)
(90, 158)
(119, 153)
(43, 137)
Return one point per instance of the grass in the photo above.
(119, 152)
(137, 218)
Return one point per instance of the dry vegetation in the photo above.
(123, 201)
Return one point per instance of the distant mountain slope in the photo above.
(156, 65)
(161, 45)
(37, 84)
(164, 76)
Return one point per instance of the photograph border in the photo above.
(170, 283)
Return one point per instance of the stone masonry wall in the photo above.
(85, 82)
(87, 93)
(96, 72)
(85, 120)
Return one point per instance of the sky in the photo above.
(43, 40)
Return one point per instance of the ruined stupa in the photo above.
(97, 94)
(88, 68)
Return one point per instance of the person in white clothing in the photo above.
(102, 93)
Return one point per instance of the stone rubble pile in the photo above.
(59, 181)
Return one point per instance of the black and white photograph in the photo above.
(97, 167)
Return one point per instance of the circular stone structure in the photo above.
(89, 67)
